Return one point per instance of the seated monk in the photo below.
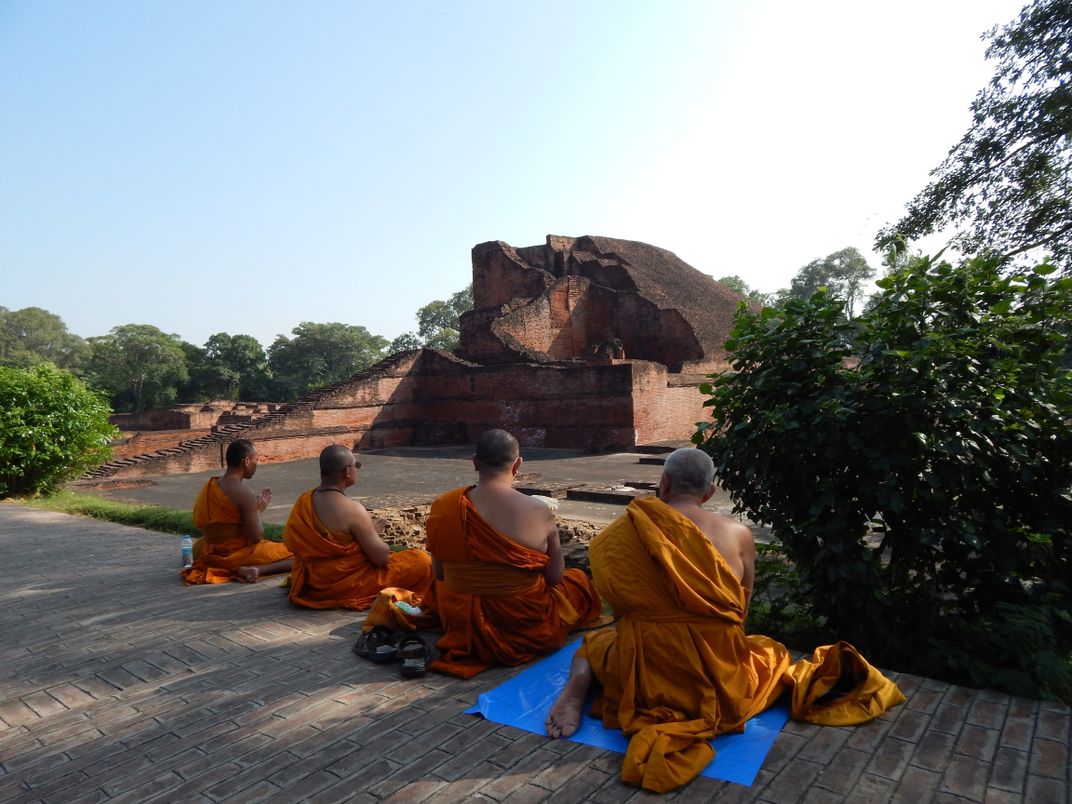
(340, 561)
(229, 516)
(502, 593)
(677, 668)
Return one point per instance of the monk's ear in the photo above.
(709, 495)
(664, 487)
(516, 466)
(476, 463)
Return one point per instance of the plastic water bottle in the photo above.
(408, 608)
(187, 551)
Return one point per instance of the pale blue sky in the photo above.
(246, 166)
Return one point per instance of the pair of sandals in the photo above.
(383, 646)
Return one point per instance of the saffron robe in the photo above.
(494, 604)
(331, 571)
(678, 668)
(224, 548)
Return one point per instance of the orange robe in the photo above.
(678, 668)
(331, 571)
(224, 547)
(494, 604)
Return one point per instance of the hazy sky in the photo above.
(242, 167)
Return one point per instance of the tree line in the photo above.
(138, 366)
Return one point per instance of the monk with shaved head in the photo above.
(502, 593)
(228, 513)
(677, 668)
(340, 561)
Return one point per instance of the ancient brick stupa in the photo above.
(585, 297)
(588, 343)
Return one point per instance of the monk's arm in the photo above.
(364, 533)
(251, 508)
(556, 564)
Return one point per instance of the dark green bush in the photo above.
(52, 429)
(916, 465)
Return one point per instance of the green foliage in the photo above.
(778, 606)
(228, 367)
(1009, 179)
(52, 429)
(924, 494)
(150, 517)
(404, 342)
(437, 323)
(32, 335)
(138, 365)
(321, 354)
(842, 273)
(741, 288)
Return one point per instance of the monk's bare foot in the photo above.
(565, 714)
(248, 574)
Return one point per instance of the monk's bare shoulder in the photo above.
(237, 492)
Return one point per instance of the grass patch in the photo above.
(150, 517)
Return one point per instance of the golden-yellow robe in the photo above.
(223, 548)
(331, 571)
(494, 604)
(678, 668)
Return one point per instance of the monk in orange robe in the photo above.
(502, 593)
(340, 561)
(229, 515)
(677, 668)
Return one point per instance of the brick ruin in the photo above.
(587, 343)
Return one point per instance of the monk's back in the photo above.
(516, 516)
(726, 535)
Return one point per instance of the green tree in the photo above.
(741, 288)
(843, 273)
(206, 379)
(243, 359)
(404, 342)
(321, 354)
(1009, 179)
(31, 335)
(924, 494)
(52, 429)
(138, 365)
(437, 321)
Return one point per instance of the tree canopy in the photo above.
(741, 288)
(140, 366)
(1008, 182)
(842, 273)
(437, 323)
(32, 335)
(321, 354)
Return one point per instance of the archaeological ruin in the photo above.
(588, 343)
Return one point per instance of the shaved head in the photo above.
(334, 460)
(690, 470)
(496, 449)
(238, 450)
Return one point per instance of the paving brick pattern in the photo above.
(118, 683)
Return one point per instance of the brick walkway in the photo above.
(118, 683)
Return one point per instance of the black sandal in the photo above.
(413, 652)
(379, 644)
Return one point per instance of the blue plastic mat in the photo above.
(525, 700)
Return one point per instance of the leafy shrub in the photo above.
(922, 493)
(52, 428)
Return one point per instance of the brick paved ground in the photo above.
(118, 683)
